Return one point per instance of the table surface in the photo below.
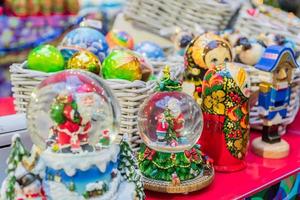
(259, 174)
(7, 106)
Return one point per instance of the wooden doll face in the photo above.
(283, 73)
(217, 56)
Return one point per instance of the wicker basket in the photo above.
(130, 95)
(155, 15)
(277, 22)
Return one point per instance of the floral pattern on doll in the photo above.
(228, 96)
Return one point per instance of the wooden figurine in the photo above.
(201, 54)
(275, 91)
(225, 136)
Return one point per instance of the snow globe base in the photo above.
(188, 186)
(274, 151)
(180, 172)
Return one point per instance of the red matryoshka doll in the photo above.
(201, 54)
(225, 136)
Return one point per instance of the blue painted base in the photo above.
(81, 178)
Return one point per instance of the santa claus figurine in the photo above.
(73, 115)
(170, 124)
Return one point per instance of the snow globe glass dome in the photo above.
(84, 38)
(170, 120)
(74, 109)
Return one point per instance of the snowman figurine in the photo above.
(29, 184)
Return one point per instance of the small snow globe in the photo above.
(73, 111)
(86, 38)
(170, 120)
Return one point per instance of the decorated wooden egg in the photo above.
(225, 136)
(116, 38)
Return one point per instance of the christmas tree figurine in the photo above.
(15, 157)
(128, 168)
(170, 124)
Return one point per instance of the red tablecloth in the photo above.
(259, 174)
(7, 106)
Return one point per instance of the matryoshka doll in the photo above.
(225, 136)
(201, 54)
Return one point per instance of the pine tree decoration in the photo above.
(166, 83)
(16, 155)
(129, 168)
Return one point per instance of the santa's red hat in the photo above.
(85, 88)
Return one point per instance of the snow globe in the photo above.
(86, 38)
(73, 119)
(170, 124)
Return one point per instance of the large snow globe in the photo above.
(72, 111)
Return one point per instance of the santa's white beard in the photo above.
(86, 113)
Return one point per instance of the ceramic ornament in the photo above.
(225, 137)
(170, 123)
(117, 38)
(279, 65)
(73, 120)
(270, 39)
(248, 51)
(203, 53)
(181, 40)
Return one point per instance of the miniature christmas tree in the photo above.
(166, 83)
(128, 168)
(16, 155)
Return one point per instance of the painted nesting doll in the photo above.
(201, 54)
(225, 136)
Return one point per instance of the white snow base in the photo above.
(83, 161)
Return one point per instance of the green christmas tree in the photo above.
(166, 83)
(18, 152)
(129, 168)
